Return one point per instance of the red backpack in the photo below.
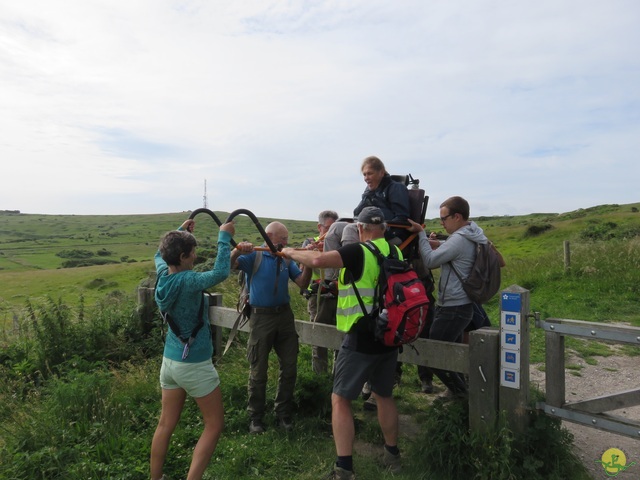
(401, 299)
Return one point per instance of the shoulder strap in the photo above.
(369, 245)
(240, 308)
(256, 266)
(475, 244)
(166, 317)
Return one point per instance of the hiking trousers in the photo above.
(269, 331)
(448, 326)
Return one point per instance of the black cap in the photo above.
(371, 215)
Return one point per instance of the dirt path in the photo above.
(610, 375)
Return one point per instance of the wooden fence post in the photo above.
(554, 371)
(514, 357)
(484, 373)
(215, 300)
(146, 309)
(567, 256)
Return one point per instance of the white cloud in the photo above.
(128, 107)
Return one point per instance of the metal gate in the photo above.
(593, 412)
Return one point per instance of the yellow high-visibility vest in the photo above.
(349, 310)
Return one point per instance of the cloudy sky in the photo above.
(124, 107)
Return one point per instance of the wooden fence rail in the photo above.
(482, 353)
(495, 384)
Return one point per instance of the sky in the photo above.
(131, 107)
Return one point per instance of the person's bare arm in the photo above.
(241, 249)
(314, 259)
(304, 278)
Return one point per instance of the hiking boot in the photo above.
(427, 386)
(366, 391)
(391, 461)
(450, 396)
(370, 405)
(256, 426)
(285, 423)
(341, 474)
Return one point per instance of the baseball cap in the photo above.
(371, 215)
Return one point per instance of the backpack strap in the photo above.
(450, 262)
(187, 342)
(242, 312)
(369, 245)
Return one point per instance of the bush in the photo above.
(75, 253)
(535, 230)
(599, 231)
(447, 446)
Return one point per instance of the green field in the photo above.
(602, 285)
(82, 397)
(31, 245)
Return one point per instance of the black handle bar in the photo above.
(232, 215)
(254, 219)
(212, 215)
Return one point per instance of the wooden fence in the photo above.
(497, 383)
(486, 396)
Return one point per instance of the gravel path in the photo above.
(611, 374)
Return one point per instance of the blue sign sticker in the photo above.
(510, 319)
(510, 338)
(511, 302)
(509, 376)
(509, 357)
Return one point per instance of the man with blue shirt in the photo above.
(272, 326)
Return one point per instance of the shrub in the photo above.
(599, 231)
(543, 453)
(74, 253)
(535, 230)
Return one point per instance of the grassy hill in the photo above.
(116, 253)
(107, 252)
(82, 396)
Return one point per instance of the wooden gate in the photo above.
(593, 412)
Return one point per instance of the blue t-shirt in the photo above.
(270, 287)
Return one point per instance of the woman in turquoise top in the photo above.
(190, 370)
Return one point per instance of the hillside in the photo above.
(114, 253)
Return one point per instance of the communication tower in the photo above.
(204, 197)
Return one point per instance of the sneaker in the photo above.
(256, 427)
(427, 386)
(391, 461)
(366, 391)
(341, 474)
(286, 423)
(370, 405)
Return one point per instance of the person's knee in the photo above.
(339, 402)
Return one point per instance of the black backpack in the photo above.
(484, 279)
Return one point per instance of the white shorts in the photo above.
(197, 379)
